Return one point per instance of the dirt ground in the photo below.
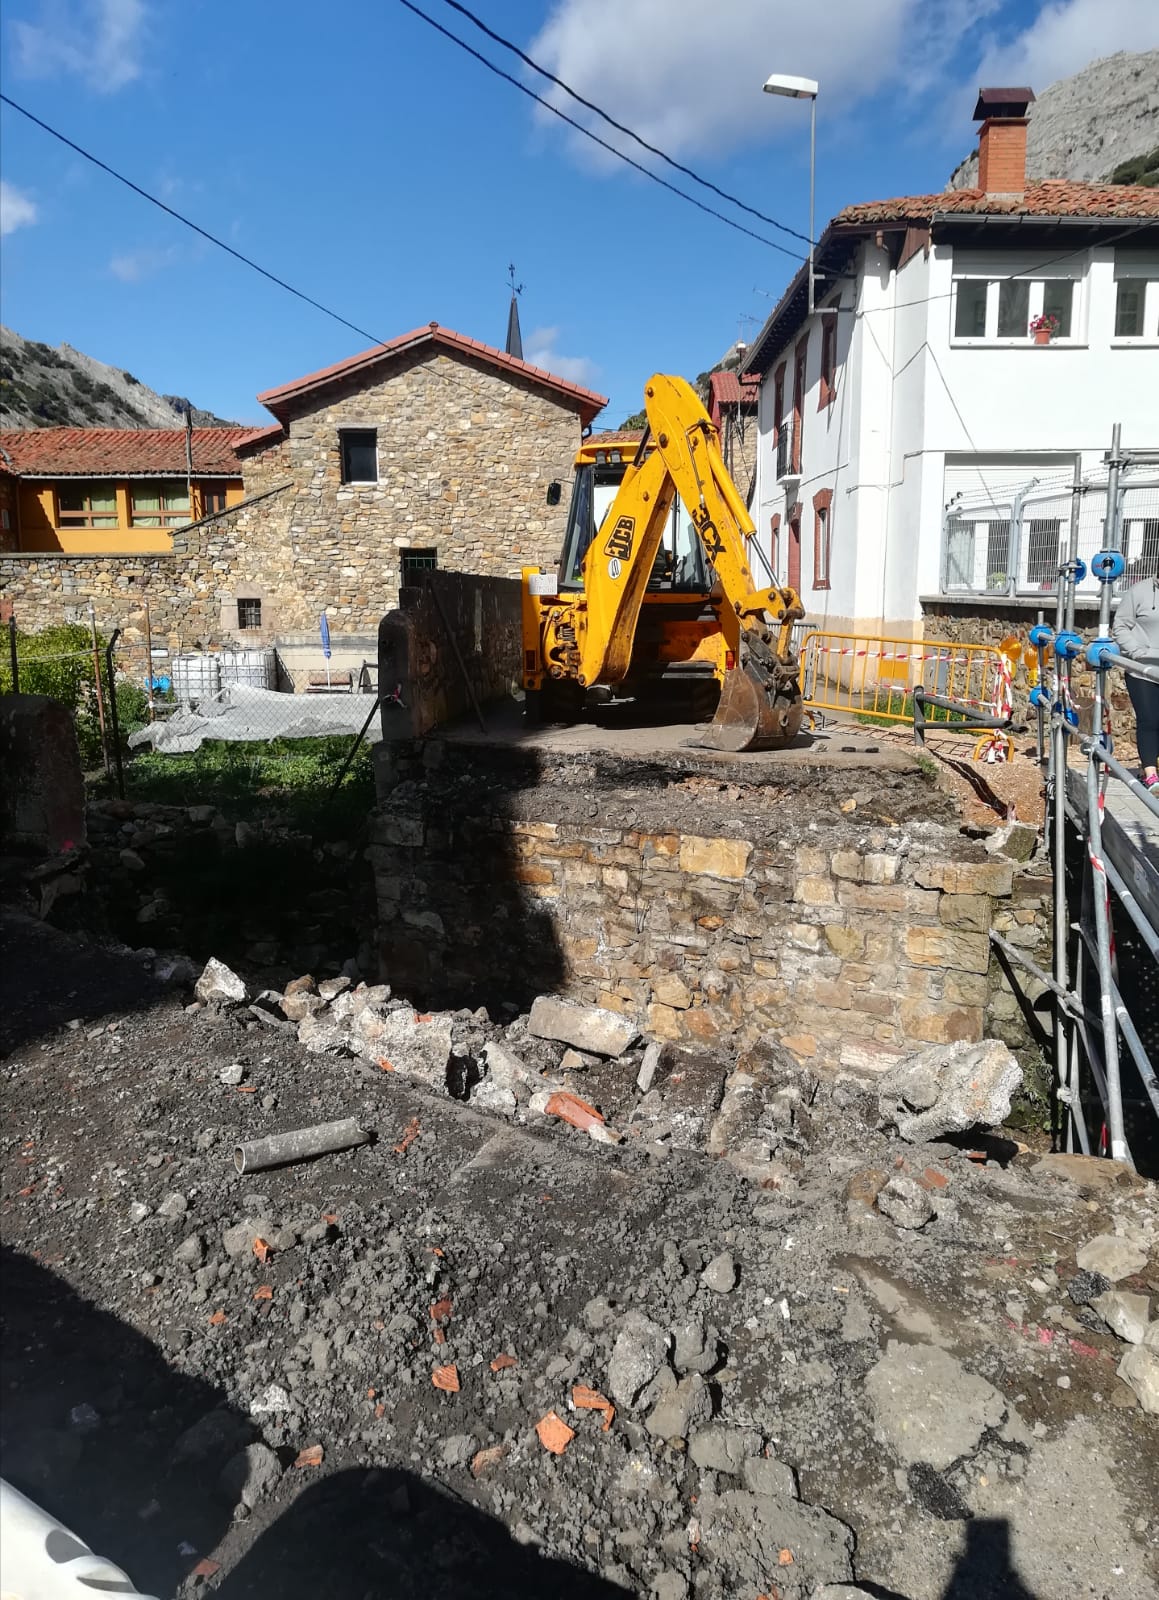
(806, 1395)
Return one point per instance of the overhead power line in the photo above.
(590, 105)
(730, 222)
(272, 277)
(188, 221)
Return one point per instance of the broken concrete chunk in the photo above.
(974, 1085)
(321, 1035)
(301, 1004)
(331, 988)
(904, 1201)
(250, 1475)
(768, 1476)
(650, 1066)
(927, 1407)
(1124, 1313)
(748, 1533)
(686, 1405)
(414, 1047)
(590, 1028)
(489, 1095)
(239, 1240)
(720, 1274)
(639, 1349)
(1014, 840)
(719, 1448)
(1112, 1256)
(505, 1068)
(1140, 1369)
(695, 1348)
(219, 986)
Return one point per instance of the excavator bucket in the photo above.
(748, 718)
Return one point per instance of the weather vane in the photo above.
(516, 288)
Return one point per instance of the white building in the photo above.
(901, 424)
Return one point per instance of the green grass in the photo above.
(895, 706)
(294, 776)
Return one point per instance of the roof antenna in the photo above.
(514, 346)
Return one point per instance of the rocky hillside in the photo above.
(1083, 128)
(45, 388)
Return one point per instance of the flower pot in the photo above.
(1042, 335)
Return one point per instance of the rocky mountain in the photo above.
(45, 388)
(1083, 128)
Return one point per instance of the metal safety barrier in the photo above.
(1119, 872)
(872, 676)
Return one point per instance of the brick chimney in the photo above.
(1002, 140)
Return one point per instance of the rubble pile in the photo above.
(681, 1323)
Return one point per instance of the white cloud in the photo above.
(1065, 37)
(695, 89)
(101, 41)
(135, 265)
(17, 209)
(540, 349)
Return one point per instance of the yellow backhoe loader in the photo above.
(654, 589)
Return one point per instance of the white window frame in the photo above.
(993, 269)
(1139, 267)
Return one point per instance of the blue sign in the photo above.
(324, 630)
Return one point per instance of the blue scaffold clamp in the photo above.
(1067, 645)
(1040, 697)
(1099, 652)
(1071, 716)
(1041, 636)
(1077, 569)
(1108, 565)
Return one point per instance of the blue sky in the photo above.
(361, 156)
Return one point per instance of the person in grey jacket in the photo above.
(1136, 632)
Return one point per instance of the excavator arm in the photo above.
(591, 640)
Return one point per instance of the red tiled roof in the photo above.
(121, 452)
(283, 398)
(260, 436)
(616, 436)
(1050, 198)
(729, 389)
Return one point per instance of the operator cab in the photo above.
(680, 566)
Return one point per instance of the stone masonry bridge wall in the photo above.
(708, 908)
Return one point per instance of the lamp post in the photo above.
(802, 89)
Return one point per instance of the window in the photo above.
(86, 505)
(249, 614)
(798, 403)
(359, 455)
(960, 554)
(415, 563)
(1131, 319)
(999, 304)
(828, 361)
(970, 315)
(1141, 548)
(997, 554)
(1013, 308)
(212, 500)
(1042, 551)
(159, 505)
(822, 501)
(775, 541)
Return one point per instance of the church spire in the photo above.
(514, 345)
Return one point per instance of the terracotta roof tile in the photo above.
(731, 389)
(121, 452)
(1050, 198)
(282, 399)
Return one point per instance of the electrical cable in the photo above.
(590, 105)
(794, 255)
(272, 277)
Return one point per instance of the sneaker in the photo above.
(1151, 782)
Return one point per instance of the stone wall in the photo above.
(465, 457)
(454, 638)
(708, 909)
(991, 622)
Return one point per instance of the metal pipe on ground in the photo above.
(299, 1144)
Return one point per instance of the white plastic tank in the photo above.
(196, 677)
(41, 1559)
(257, 669)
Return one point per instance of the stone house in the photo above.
(430, 450)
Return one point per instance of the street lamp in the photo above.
(802, 89)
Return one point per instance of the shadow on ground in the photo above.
(95, 1426)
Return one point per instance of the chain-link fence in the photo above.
(199, 725)
(1012, 541)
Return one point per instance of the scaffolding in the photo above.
(1117, 868)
